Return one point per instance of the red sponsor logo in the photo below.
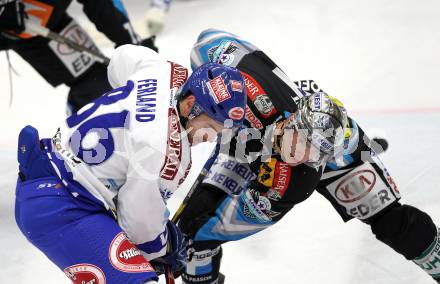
(85, 273)
(218, 90)
(125, 256)
(253, 120)
(179, 74)
(355, 186)
(281, 178)
(258, 96)
(236, 113)
(37, 12)
(174, 147)
(236, 86)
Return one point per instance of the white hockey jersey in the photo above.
(128, 148)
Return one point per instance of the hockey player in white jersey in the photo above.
(93, 198)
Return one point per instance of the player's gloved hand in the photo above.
(150, 43)
(176, 252)
(12, 16)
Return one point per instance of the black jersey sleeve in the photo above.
(111, 19)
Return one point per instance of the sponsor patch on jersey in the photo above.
(85, 273)
(236, 113)
(174, 147)
(76, 62)
(125, 256)
(218, 90)
(252, 118)
(179, 74)
(263, 104)
(258, 96)
(281, 180)
(362, 192)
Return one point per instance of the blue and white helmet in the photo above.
(219, 91)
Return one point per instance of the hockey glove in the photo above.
(12, 16)
(176, 252)
(150, 43)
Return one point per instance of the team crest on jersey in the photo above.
(218, 90)
(85, 273)
(125, 256)
(174, 147)
(222, 53)
(179, 74)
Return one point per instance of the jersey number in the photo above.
(92, 140)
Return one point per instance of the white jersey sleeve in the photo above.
(127, 60)
(131, 150)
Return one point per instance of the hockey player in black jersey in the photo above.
(58, 63)
(300, 140)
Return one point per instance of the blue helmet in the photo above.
(219, 91)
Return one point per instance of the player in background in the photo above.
(301, 140)
(156, 14)
(58, 63)
(93, 198)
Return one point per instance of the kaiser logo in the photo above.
(282, 178)
(355, 186)
(236, 113)
(85, 273)
(124, 256)
(218, 90)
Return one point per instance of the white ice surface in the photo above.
(379, 57)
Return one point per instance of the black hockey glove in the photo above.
(150, 43)
(12, 16)
(176, 252)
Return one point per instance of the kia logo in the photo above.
(355, 186)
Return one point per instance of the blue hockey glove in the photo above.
(176, 252)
